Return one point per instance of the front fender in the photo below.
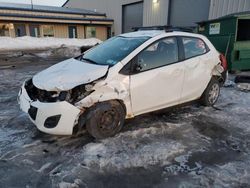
(114, 90)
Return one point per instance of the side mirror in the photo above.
(137, 67)
(132, 67)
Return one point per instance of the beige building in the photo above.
(44, 21)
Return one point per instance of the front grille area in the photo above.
(32, 112)
(38, 94)
(72, 96)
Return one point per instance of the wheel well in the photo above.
(220, 79)
(123, 105)
(83, 117)
(118, 100)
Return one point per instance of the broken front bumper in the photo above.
(58, 118)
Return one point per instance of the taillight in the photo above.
(223, 61)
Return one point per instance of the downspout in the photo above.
(84, 29)
(169, 11)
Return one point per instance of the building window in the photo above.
(72, 31)
(34, 30)
(48, 31)
(4, 30)
(20, 30)
(90, 32)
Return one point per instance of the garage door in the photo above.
(132, 16)
(185, 13)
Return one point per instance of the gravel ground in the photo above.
(193, 146)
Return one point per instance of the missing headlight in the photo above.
(80, 92)
(64, 96)
(39, 94)
(72, 96)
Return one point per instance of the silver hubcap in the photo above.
(213, 93)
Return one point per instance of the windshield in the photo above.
(113, 50)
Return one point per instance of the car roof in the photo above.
(151, 33)
(155, 33)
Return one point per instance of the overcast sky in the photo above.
(38, 2)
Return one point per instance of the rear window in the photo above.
(193, 47)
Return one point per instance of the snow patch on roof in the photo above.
(44, 8)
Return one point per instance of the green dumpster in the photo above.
(231, 36)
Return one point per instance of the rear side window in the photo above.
(193, 47)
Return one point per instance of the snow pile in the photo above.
(243, 86)
(33, 43)
(69, 52)
(140, 148)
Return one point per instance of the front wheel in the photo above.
(211, 94)
(105, 119)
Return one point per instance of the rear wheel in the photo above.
(105, 119)
(211, 94)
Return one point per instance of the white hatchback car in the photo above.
(125, 76)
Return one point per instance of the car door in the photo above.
(157, 77)
(197, 68)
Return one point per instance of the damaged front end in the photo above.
(72, 96)
(50, 96)
(53, 112)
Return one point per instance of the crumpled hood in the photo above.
(68, 74)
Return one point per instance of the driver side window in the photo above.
(160, 53)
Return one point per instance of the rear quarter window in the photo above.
(193, 47)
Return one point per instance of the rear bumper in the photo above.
(57, 118)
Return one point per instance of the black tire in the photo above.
(211, 94)
(105, 119)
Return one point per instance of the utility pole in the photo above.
(32, 4)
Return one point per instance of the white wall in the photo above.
(220, 8)
(153, 14)
(113, 9)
